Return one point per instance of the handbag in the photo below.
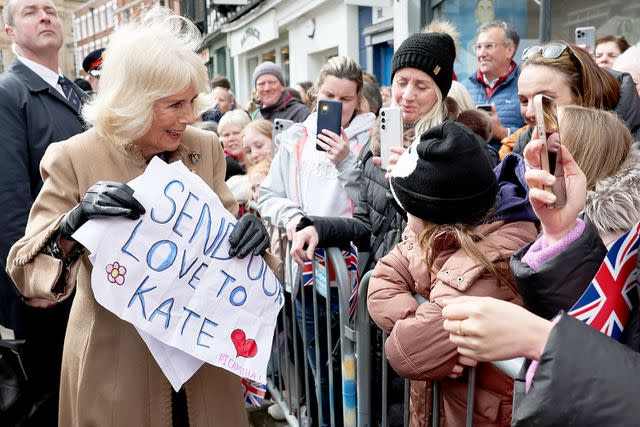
(13, 377)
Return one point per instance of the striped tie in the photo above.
(69, 92)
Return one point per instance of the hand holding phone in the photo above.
(547, 126)
(391, 132)
(329, 118)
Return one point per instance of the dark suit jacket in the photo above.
(32, 115)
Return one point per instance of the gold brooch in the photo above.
(436, 70)
(195, 157)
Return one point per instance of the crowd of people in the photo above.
(461, 216)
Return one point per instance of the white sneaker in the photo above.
(276, 412)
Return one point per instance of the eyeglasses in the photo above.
(550, 51)
(488, 46)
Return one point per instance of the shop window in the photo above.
(610, 17)
(284, 58)
(221, 61)
(524, 14)
(269, 56)
(252, 63)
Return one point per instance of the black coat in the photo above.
(373, 211)
(584, 379)
(287, 107)
(32, 115)
(561, 280)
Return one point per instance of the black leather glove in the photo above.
(106, 198)
(248, 236)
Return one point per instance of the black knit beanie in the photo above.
(445, 178)
(433, 53)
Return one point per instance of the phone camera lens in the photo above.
(383, 113)
(383, 127)
(382, 120)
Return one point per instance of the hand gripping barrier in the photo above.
(363, 369)
(301, 377)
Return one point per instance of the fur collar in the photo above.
(614, 205)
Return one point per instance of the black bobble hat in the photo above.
(433, 53)
(446, 177)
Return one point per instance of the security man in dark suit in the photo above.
(39, 106)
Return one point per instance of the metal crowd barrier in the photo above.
(363, 339)
(290, 381)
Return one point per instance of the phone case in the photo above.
(329, 117)
(390, 132)
(548, 131)
(586, 36)
(279, 126)
(484, 107)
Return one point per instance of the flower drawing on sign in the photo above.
(246, 348)
(116, 272)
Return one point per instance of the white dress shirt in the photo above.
(44, 73)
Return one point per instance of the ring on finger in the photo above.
(459, 331)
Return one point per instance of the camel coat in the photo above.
(418, 347)
(109, 378)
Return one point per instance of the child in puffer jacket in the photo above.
(457, 242)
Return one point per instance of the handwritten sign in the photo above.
(169, 273)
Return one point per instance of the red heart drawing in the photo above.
(244, 347)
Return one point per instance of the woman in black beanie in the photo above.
(421, 71)
(453, 245)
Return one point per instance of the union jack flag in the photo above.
(253, 391)
(350, 258)
(607, 302)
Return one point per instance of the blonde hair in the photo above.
(262, 168)
(465, 237)
(260, 126)
(436, 115)
(461, 95)
(598, 140)
(234, 117)
(341, 67)
(146, 61)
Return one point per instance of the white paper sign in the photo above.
(170, 275)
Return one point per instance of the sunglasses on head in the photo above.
(549, 51)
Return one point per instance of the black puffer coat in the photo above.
(374, 214)
(584, 379)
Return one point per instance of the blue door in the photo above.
(382, 54)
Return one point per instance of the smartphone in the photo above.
(390, 132)
(586, 36)
(329, 118)
(484, 107)
(550, 155)
(279, 126)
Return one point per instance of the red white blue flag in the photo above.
(351, 260)
(607, 302)
(253, 392)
